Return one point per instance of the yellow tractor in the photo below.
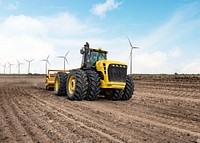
(97, 76)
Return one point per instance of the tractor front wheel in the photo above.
(129, 89)
(113, 94)
(93, 85)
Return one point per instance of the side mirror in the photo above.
(82, 51)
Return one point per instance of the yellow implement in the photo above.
(50, 78)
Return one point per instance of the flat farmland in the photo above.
(165, 108)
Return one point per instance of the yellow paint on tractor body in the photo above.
(102, 67)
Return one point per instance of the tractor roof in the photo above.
(99, 50)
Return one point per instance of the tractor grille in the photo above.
(117, 73)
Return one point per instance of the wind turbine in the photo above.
(47, 62)
(10, 67)
(131, 54)
(29, 64)
(18, 66)
(4, 67)
(65, 59)
(1, 64)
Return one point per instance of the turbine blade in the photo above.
(66, 54)
(60, 56)
(48, 57)
(48, 62)
(130, 42)
(67, 61)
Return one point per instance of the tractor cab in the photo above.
(91, 56)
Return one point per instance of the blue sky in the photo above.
(167, 32)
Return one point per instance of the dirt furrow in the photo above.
(139, 129)
(164, 109)
(57, 115)
(31, 128)
(17, 130)
(165, 130)
(82, 120)
(5, 133)
(134, 131)
(172, 92)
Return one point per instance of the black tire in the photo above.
(60, 83)
(49, 88)
(129, 89)
(93, 85)
(114, 94)
(76, 85)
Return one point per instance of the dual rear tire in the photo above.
(78, 84)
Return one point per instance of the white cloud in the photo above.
(154, 62)
(13, 6)
(63, 24)
(191, 67)
(23, 25)
(34, 38)
(101, 8)
(176, 52)
(23, 37)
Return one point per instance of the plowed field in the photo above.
(164, 109)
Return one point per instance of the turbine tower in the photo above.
(131, 55)
(10, 67)
(47, 62)
(18, 66)
(65, 59)
(4, 66)
(29, 64)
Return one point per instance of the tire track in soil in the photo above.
(16, 132)
(31, 128)
(57, 111)
(73, 116)
(155, 113)
(176, 129)
(44, 122)
(127, 121)
(5, 134)
(123, 127)
(182, 135)
(84, 117)
(168, 86)
(177, 107)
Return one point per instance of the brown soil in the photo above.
(164, 109)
